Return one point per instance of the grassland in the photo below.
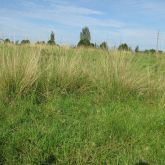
(81, 106)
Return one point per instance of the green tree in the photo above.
(85, 37)
(40, 42)
(92, 45)
(85, 34)
(17, 42)
(137, 49)
(151, 51)
(25, 42)
(104, 45)
(123, 46)
(52, 39)
(84, 43)
(7, 40)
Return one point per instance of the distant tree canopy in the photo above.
(137, 49)
(85, 34)
(52, 39)
(40, 42)
(84, 43)
(17, 42)
(152, 51)
(25, 42)
(104, 45)
(123, 46)
(85, 38)
(7, 40)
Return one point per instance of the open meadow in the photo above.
(81, 106)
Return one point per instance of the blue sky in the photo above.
(135, 22)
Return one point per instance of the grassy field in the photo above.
(81, 106)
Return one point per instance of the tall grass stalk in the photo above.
(24, 69)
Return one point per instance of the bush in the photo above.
(104, 45)
(84, 43)
(152, 51)
(25, 42)
(85, 38)
(7, 40)
(137, 49)
(52, 39)
(85, 34)
(123, 47)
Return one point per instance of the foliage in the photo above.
(137, 49)
(25, 42)
(7, 40)
(17, 42)
(85, 34)
(124, 47)
(52, 39)
(104, 45)
(84, 43)
(85, 38)
(40, 42)
(92, 45)
(152, 51)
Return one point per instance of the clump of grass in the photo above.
(69, 74)
(45, 70)
(18, 71)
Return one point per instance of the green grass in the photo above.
(77, 106)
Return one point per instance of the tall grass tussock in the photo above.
(25, 69)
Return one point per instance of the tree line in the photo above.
(85, 41)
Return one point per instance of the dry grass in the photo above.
(76, 70)
(80, 106)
